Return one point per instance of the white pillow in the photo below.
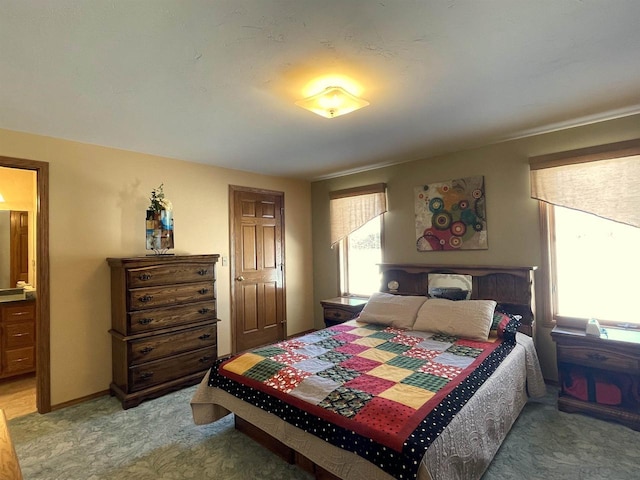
(463, 318)
(398, 311)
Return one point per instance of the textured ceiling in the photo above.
(215, 81)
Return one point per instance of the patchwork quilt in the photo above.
(380, 392)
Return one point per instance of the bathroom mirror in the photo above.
(16, 249)
(5, 250)
(18, 188)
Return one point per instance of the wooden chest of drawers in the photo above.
(163, 324)
(17, 338)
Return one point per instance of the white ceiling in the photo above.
(215, 81)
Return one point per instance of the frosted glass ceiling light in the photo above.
(332, 102)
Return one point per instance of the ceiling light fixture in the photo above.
(332, 102)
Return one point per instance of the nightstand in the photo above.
(340, 309)
(600, 376)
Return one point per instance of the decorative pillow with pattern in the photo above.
(505, 324)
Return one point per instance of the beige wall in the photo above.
(98, 198)
(512, 216)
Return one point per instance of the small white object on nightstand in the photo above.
(593, 327)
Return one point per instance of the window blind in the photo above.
(352, 208)
(602, 180)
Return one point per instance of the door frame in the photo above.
(43, 332)
(232, 268)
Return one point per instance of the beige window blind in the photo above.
(352, 208)
(601, 180)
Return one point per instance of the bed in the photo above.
(460, 448)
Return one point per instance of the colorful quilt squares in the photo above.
(370, 376)
(408, 395)
(380, 392)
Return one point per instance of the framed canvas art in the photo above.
(451, 215)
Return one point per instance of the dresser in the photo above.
(600, 376)
(340, 309)
(17, 337)
(163, 324)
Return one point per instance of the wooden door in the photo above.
(257, 267)
(19, 246)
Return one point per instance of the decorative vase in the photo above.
(159, 226)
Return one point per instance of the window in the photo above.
(590, 226)
(360, 254)
(356, 226)
(596, 265)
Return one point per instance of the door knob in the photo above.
(240, 278)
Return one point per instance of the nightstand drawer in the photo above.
(335, 314)
(604, 359)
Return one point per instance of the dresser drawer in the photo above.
(165, 370)
(149, 320)
(19, 334)
(23, 311)
(151, 297)
(164, 274)
(18, 360)
(595, 357)
(159, 346)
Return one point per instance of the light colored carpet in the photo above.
(157, 440)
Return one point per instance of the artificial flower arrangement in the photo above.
(158, 200)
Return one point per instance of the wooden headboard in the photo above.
(511, 287)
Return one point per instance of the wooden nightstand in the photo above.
(600, 376)
(340, 309)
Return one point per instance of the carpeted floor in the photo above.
(158, 440)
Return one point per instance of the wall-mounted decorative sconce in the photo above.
(1, 198)
(332, 102)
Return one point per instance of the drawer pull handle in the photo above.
(204, 359)
(203, 272)
(146, 350)
(337, 314)
(202, 291)
(204, 310)
(597, 357)
(146, 375)
(17, 314)
(146, 298)
(145, 321)
(204, 336)
(144, 277)
(19, 334)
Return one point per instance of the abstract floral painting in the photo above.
(451, 215)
